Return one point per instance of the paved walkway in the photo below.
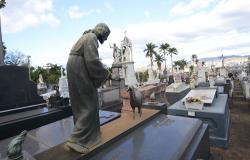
(239, 144)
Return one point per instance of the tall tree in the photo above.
(164, 48)
(172, 51)
(2, 54)
(150, 52)
(159, 59)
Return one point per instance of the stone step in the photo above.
(238, 97)
(237, 93)
(241, 104)
(238, 90)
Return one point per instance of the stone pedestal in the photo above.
(110, 99)
(63, 87)
(217, 116)
(129, 73)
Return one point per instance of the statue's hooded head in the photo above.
(102, 32)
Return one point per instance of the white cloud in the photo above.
(224, 29)
(189, 8)
(108, 6)
(75, 12)
(19, 15)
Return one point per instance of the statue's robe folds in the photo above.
(85, 74)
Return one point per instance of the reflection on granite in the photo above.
(54, 133)
(59, 131)
(21, 115)
(106, 116)
(50, 135)
(150, 141)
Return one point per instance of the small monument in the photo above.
(41, 86)
(223, 71)
(123, 56)
(201, 73)
(152, 76)
(63, 86)
(177, 75)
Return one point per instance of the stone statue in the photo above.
(116, 53)
(86, 73)
(15, 147)
(40, 79)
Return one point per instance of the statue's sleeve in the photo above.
(97, 71)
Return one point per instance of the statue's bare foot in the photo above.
(77, 147)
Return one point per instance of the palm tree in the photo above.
(164, 48)
(172, 51)
(159, 59)
(150, 52)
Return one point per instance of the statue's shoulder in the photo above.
(90, 36)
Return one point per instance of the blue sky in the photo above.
(47, 29)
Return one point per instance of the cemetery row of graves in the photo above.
(197, 113)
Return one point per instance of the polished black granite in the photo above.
(21, 115)
(165, 137)
(16, 90)
(156, 105)
(52, 134)
(174, 96)
(12, 124)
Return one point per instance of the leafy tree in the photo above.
(150, 52)
(164, 48)
(54, 73)
(15, 58)
(35, 72)
(51, 73)
(159, 59)
(2, 4)
(182, 63)
(172, 51)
